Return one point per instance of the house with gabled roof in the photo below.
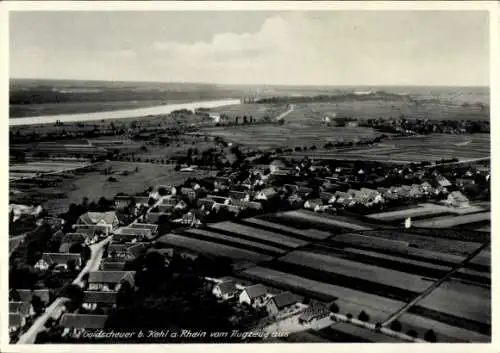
(266, 194)
(93, 299)
(110, 280)
(219, 199)
(152, 227)
(225, 290)
(25, 309)
(239, 195)
(255, 295)
(26, 295)
(106, 221)
(59, 260)
(315, 311)
(313, 204)
(16, 321)
(281, 302)
(457, 199)
(327, 197)
(125, 252)
(111, 264)
(140, 234)
(75, 324)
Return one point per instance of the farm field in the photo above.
(175, 149)
(368, 241)
(95, 185)
(298, 284)
(46, 166)
(426, 209)
(325, 220)
(445, 333)
(443, 245)
(482, 259)
(470, 303)
(258, 234)
(211, 248)
(345, 332)
(382, 257)
(238, 242)
(289, 135)
(358, 270)
(391, 108)
(412, 149)
(314, 234)
(453, 221)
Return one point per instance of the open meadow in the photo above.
(96, 184)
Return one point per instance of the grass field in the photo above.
(469, 302)
(95, 185)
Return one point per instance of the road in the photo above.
(291, 325)
(425, 293)
(284, 114)
(56, 308)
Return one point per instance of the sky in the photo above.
(448, 48)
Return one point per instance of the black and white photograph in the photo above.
(248, 175)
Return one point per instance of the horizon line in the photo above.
(247, 84)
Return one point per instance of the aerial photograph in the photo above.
(240, 176)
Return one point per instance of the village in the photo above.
(328, 188)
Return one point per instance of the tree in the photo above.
(349, 316)
(85, 253)
(75, 294)
(412, 333)
(71, 264)
(37, 304)
(363, 316)
(430, 336)
(396, 326)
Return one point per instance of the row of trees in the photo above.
(429, 336)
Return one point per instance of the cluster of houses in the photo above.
(277, 304)
(22, 306)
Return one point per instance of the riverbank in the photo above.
(120, 114)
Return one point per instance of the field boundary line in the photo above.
(429, 290)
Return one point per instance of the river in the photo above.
(120, 114)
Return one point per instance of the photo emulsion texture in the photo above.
(249, 176)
